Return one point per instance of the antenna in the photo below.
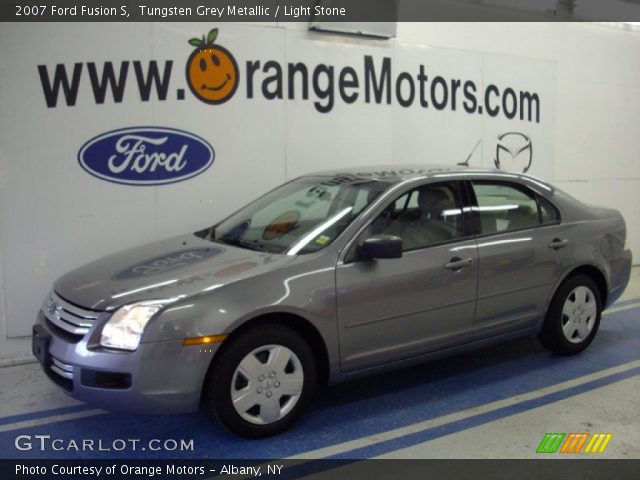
(466, 162)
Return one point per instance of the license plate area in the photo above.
(40, 345)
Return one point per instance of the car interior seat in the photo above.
(429, 226)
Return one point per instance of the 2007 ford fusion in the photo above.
(329, 277)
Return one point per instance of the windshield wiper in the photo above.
(243, 244)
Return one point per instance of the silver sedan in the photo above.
(329, 277)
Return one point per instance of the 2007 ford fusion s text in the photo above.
(329, 277)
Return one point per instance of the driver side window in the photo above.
(425, 216)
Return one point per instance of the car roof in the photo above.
(390, 172)
(399, 173)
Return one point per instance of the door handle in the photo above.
(457, 263)
(558, 243)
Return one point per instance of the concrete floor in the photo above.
(495, 403)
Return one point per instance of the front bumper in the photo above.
(158, 378)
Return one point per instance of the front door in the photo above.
(393, 309)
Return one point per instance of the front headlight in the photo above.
(124, 329)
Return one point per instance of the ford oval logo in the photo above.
(146, 156)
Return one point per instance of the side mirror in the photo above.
(381, 246)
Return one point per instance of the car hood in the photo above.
(180, 266)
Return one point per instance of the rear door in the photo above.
(522, 248)
(393, 309)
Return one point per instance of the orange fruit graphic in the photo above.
(212, 72)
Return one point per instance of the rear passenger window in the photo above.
(503, 207)
(548, 213)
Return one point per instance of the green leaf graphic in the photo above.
(213, 34)
(196, 42)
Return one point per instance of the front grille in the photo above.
(72, 319)
(63, 369)
(61, 373)
(58, 332)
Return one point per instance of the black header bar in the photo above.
(318, 10)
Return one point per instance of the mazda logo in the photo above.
(514, 151)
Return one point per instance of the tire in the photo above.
(573, 317)
(270, 371)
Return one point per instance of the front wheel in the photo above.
(573, 317)
(261, 381)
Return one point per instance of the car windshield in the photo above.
(301, 216)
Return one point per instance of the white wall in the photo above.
(597, 106)
(588, 76)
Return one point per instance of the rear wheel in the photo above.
(261, 381)
(574, 316)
